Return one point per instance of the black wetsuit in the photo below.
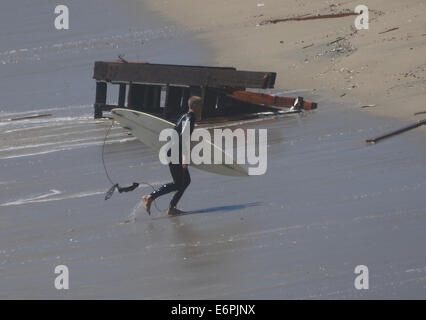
(180, 175)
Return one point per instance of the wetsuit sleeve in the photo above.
(187, 123)
(177, 128)
(192, 119)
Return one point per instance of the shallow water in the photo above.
(327, 203)
(41, 66)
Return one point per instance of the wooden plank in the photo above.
(186, 93)
(106, 107)
(129, 94)
(389, 30)
(156, 98)
(136, 96)
(398, 131)
(122, 95)
(182, 75)
(147, 101)
(270, 100)
(36, 116)
(263, 98)
(305, 17)
(101, 96)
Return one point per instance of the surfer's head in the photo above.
(195, 104)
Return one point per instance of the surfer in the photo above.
(179, 171)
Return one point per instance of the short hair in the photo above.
(195, 101)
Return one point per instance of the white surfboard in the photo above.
(147, 129)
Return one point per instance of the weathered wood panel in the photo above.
(186, 93)
(136, 96)
(122, 95)
(181, 75)
(154, 99)
(101, 97)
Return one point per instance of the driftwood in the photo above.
(421, 112)
(222, 89)
(27, 117)
(389, 30)
(337, 40)
(304, 17)
(399, 131)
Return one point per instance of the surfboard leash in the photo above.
(114, 185)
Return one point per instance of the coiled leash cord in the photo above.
(114, 185)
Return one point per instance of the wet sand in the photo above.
(382, 66)
(327, 203)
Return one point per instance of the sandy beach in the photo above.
(367, 67)
(327, 203)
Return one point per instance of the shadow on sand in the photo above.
(207, 210)
(224, 208)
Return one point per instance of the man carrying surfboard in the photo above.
(179, 171)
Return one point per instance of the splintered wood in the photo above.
(305, 17)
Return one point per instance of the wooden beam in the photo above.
(152, 97)
(271, 100)
(186, 93)
(101, 96)
(398, 131)
(136, 96)
(36, 116)
(122, 95)
(181, 75)
(305, 17)
(107, 107)
(129, 95)
(156, 98)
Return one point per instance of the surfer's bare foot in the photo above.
(147, 200)
(171, 211)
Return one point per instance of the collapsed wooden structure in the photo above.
(222, 89)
